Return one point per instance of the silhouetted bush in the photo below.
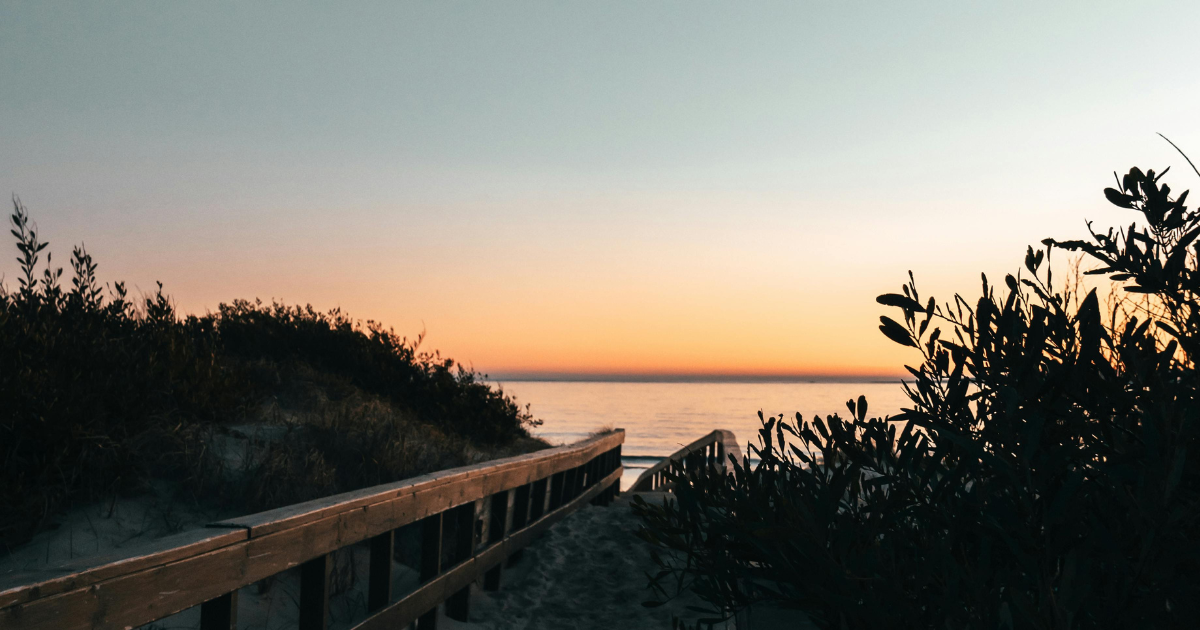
(375, 360)
(100, 393)
(1046, 474)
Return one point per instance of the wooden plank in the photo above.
(139, 598)
(403, 612)
(502, 474)
(24, 587)
(730, 444)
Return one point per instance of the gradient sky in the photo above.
(587, 187)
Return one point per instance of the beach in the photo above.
(588, 571)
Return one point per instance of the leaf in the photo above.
(897, 300)
(1117, 198)
(1169, 328)
(1031, 261)
(896, 332)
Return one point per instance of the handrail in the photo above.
(517, 496)
(713, 449)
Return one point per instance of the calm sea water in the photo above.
(659, 418)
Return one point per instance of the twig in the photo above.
(1189, 160)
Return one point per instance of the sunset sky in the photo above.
(610, 187)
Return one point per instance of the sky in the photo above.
(585, 188)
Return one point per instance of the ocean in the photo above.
(660, 417)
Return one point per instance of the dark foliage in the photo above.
(1046, 474)
(375, 360)
(100, 393)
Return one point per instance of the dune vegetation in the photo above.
(1045, 475)
(257, 405)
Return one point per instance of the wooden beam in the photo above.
(24, 587)
(501, 474)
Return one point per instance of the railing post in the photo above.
(556, 490)
(431, 563)
(568, 485)
(496, 531)
(379, 577)
(520, 516)
(314, 593)
(220, 613)
(537, 505)
(595, 472)
(458, 605)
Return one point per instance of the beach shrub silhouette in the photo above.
(101, 393)
(1046, 474)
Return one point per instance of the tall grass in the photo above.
(100, 393)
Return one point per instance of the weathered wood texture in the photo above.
(713, 449)
(26, 587)
(180, 572)
(460, 576)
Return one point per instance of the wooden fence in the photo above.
(471, 519)
(713, 449)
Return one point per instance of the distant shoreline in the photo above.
(685, 378)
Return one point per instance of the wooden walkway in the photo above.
(466, 521)
(536, 541)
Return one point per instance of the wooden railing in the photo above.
(713, 449)
(471, 519)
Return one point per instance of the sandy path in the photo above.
(587, 571)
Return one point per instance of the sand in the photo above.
(588, 571)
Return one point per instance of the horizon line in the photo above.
(680, 377)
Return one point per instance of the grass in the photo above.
(260, 404)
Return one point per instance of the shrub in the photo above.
(1045, 475)
(375, 360)
(100, 394)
